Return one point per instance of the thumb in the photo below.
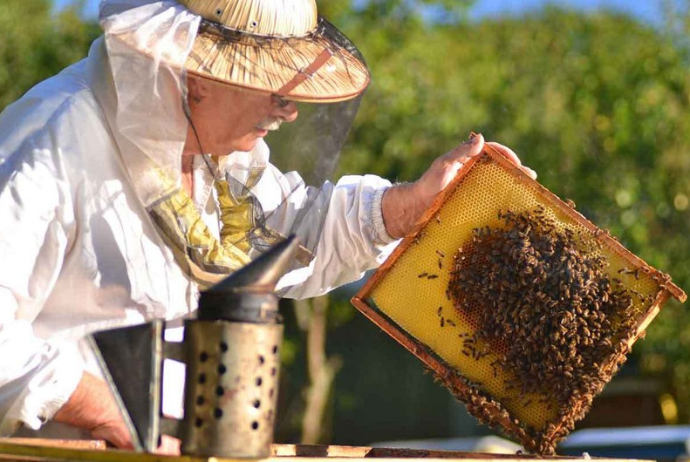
(470, 148)
(115, 433)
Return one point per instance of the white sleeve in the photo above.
(353, 240)
(36, 377)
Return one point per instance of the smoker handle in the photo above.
(170, 425)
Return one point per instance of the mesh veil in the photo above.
(308, 150)
(149, 122)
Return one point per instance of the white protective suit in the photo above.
(79, 252)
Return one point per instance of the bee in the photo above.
(635, 272)
(419, 236)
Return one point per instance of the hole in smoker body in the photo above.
(255, 425)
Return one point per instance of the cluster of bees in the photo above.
(541, 297)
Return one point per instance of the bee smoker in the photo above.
(231, 354)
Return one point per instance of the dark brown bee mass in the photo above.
(542, 299)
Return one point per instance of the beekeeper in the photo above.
(141, 175)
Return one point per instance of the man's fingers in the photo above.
(115, 433)
(510, 154)
(506, 151)
(531, 173)
(469, 148)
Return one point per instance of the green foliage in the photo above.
(37, 44)
(399, 12)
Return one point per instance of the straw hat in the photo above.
(277, 46)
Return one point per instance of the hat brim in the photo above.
(271, 64)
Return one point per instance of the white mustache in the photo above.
(270, 124)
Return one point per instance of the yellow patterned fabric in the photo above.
(236, 216)
(206, 259)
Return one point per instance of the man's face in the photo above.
(229, 119)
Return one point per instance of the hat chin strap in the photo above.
(306, 73)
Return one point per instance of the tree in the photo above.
(37, 44)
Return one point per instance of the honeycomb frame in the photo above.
(391, 298)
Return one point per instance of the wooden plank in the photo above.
(300, 452)
(37, 453)
(74, 444)
(282, 453)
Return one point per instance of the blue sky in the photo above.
(645, 10)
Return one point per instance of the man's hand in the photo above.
(93, 408)
(404, 204)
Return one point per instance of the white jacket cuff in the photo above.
(38, 381)
(51, 388)
(381, 236)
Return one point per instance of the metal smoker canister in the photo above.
(231, 353)
(232, 357)
(231, 388)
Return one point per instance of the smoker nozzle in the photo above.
(248, 295)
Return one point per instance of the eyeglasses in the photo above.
(279, 101)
